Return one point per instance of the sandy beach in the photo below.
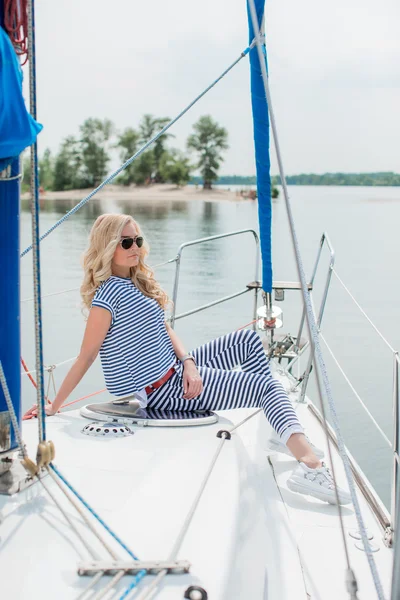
(155, 192)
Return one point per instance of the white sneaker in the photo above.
(278, 446)
(318, 483)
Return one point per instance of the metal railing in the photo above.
(300, 351)
(254, 286)
(324, 240)
(395, 499)
(389, 525)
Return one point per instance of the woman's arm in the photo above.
(177, 343)
(192, 383)
(97, 326)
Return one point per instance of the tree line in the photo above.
(366, 179)
(385, 178)
(83, 161)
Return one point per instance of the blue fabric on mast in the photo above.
(261, 144)
(18, 129)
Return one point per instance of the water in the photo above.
(363, 226)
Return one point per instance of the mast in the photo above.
(9, 288)
(19, 130)
(261, 143)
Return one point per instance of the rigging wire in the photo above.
(351, 582)
(35, 231)
(130, 160)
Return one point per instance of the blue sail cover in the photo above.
(261, 143)
(18, 129)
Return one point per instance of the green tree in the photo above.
(46, 167)
(148, 127)
(143, 168)
(67, 166)
(128, 144)
(26, 171)
(175, 167)
(208, 141)
(94, 146)
(274, 192)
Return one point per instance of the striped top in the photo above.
(137, 349)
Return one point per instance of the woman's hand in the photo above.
(192, 383)
(48, 409)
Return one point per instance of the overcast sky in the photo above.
(334, 74)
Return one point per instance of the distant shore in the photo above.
(154, 192)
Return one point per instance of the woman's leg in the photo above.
(240, 348)
(225, 390)
(236, 389)
(245, 348)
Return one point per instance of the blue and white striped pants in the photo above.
(224, 389)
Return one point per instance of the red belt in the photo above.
(154, 386)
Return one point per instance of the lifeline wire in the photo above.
(113, 175)
(35, 231)
(355, 392)
(314, 332)
(363, 311)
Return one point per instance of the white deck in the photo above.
(244, 541)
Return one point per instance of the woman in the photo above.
(142, 355)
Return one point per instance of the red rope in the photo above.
(28, 415)
(83, 398)
(247, 324)
(16, 25)
(27, 372)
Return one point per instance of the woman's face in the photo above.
(126, 259)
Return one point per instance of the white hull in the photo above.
(249, 539)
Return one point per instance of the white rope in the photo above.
(93, 582)
(363, 311)
(110, 585)
(355, 391)
(76, 289)
(81, 513)
(244, 420)
(50, 368)
(167, 262)
(86, 544)
(147, 593)
(53, 294)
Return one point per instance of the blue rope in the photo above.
(35, 232)
(130, 160)
(142, 573)
(93, 512)
(132, 586)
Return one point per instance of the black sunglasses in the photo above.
(128, 242)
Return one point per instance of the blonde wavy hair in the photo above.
(103, 240)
